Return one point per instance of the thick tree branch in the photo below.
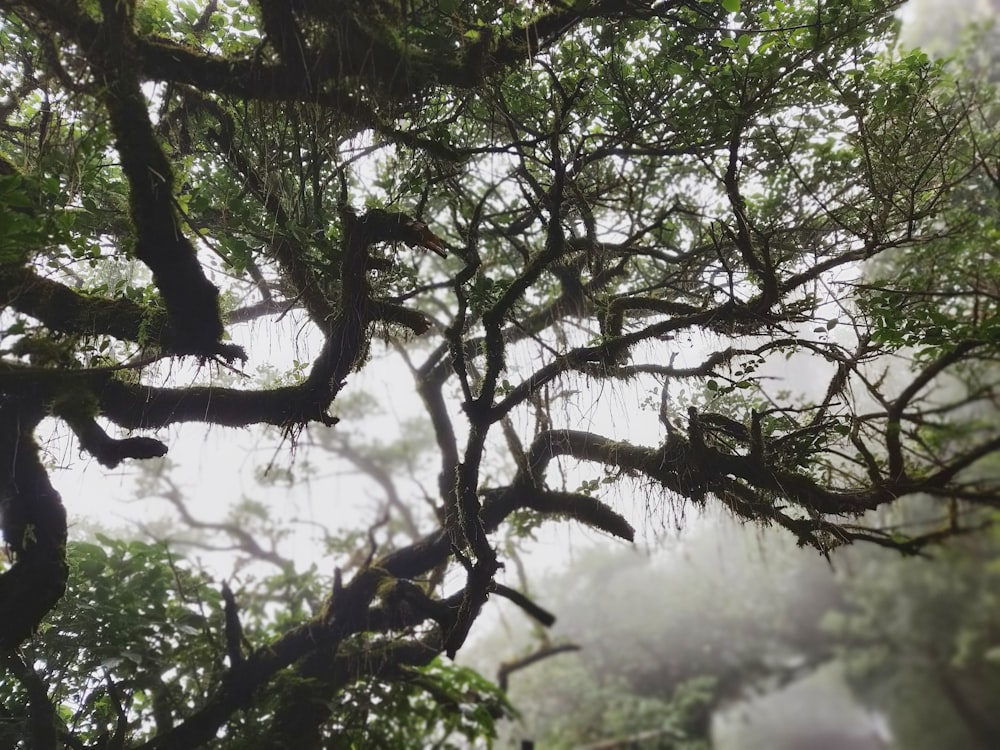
(192, 301)
(34, 526)
(43, 719)
(61, 308)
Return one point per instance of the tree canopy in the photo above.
(763, 225)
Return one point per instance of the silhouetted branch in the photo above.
(34, 527)
(543, 616)
(109, 451)
(43, 719)
(234, 630)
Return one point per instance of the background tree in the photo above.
(695, 646)
(668, 195)
(699, 663)
(935, 671)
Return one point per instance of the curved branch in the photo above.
(242, 539)
(543, 616)
(108, 451)
(192, 301)
(34, 526)
(692, 469)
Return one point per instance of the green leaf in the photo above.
(733, 6)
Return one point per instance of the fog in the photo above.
(739, 604)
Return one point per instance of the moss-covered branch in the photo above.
(34, 526)
(192, 301)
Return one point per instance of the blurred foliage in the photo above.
(732, 615)
(921, 641)
(671, 639)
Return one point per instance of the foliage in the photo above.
(670, 198)
(139, 639)
(916, 640)
(673, 640)
(920, 642)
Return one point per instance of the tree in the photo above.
(919, 643)
(915, 639)
(671, 195)
(149, 639)
(695, 646)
